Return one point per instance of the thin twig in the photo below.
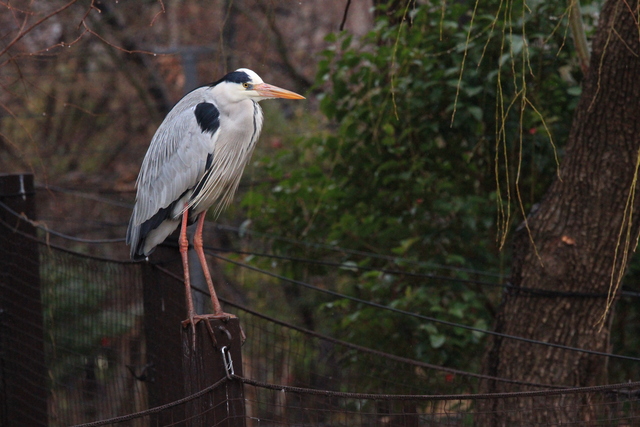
(23, 33)
(344, 16)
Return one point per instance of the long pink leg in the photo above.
(197, 244)
(183, 244)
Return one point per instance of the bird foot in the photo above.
(194, 320)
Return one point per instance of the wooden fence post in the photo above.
(23, 385)
(164, 310)
(175, 369)
(205, 364)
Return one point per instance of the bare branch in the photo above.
(24, 32)
(162, 10)
(115, 46)
(346, 13)
(281, 47)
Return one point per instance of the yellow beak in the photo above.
(269, 91)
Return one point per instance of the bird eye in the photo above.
(245, 85)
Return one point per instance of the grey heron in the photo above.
(194, 162)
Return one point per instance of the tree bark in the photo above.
(571, 242)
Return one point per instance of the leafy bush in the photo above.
(423, 171)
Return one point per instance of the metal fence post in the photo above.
(23, 385)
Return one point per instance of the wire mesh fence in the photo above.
(93, 337)
(85, 348)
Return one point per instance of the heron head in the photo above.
(245, 83)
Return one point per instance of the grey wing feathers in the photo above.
(175, 162)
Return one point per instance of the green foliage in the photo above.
(435, 126)
(79, 318)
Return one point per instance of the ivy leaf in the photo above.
(437, 341)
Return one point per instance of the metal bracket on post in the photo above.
(228, 362)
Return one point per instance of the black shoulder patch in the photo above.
(208, 117)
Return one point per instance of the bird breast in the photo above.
(240, 126)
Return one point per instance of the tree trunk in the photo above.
(571, 244)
